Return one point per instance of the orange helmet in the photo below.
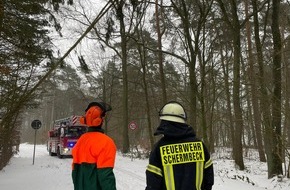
(95, 113)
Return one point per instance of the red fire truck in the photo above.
(64, 135)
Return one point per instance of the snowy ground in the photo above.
(51, 173)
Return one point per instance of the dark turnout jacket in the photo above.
(179, 161)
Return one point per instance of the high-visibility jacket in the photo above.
(93, 161)
(179, 161)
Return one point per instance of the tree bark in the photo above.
(235, 28)
(142, 54)
(120, 16)
(264, 99)
(254, 91)
(159, 53)
(276, 167)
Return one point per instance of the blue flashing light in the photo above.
(71, 144)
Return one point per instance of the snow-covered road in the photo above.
(52, 173)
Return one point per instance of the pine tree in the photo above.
(24, 47)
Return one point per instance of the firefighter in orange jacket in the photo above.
(94, 153)
(179, 160)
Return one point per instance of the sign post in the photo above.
(36, 124)
(133, 126)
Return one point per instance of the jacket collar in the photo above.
(174, 129)
(95, 129)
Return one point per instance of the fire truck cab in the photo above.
(64, 135)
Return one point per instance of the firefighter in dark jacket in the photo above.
(94, 153)
(179, 161)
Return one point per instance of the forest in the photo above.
(226, 61)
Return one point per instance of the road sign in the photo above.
(36, 124)
(132, 125)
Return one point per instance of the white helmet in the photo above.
(173, 111)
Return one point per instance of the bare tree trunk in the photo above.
(228, 97)
(254, 92)
(235, 27)
(276, 168)
(288, 173)
(184, 15)
(287, 103)
(120, 15)
(1, 14)
(264, 100)
(104, 97)
(160, 54)
(210, 105)
(202, 101)
(144, 72)
(237, 148)
(287, 91)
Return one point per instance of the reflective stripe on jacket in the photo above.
(179, 161)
